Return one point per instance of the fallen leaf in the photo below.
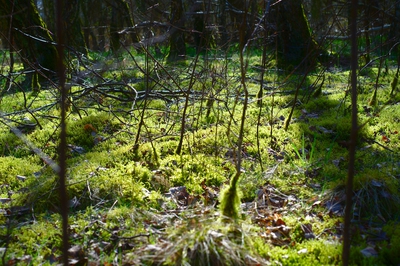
(324, 130)
(376, 183)
(369, 252)
(302, 251)
(89, 128)
(21, 177)
(5, 200)
(279, 222)
(318, 202)
(385, 139)
(307, 231)
(76, 149)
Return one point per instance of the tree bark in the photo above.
(94, 17)
(120, 17)
(395, 25)
(73, 26)
(223, 41)
(296, 46)
(72, 23)
(177, 47)
(243, 10)
(199, 25)
(33, 40)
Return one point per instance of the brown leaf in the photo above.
(89, 128)
(11, 262)
(279, 222)
(385, 139)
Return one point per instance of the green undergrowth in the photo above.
(119, 180)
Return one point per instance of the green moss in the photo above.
(41, 239)
(191, 171)
(230, 201)
(83, 132)
(123, 185)
(390, 255)
(11, 167)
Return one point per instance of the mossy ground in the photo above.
(122, 209)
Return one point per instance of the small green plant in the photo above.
(394, 83)
(390, 250)
(230, 201)
(305, 156)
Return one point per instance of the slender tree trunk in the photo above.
(198, 26)
(239, 9)
(93, 16)
(115, 26)
(73, 26)
(177, 47)
(62, 148)
(222, 24)
(371, 16)
(353, 135)
(120, 17)
(395, 24)
(11, 50)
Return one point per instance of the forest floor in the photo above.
(135, 201)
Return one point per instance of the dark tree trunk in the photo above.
(73, 27)
(367, 25)
(238, 10)
(198, 25)
(49, 15)
(395, 24)
(296, 46)
(120, 17)
(223, 41)
(94, 17)
(115, 26)
(32, 39)
(202, 35)
(177, 47)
